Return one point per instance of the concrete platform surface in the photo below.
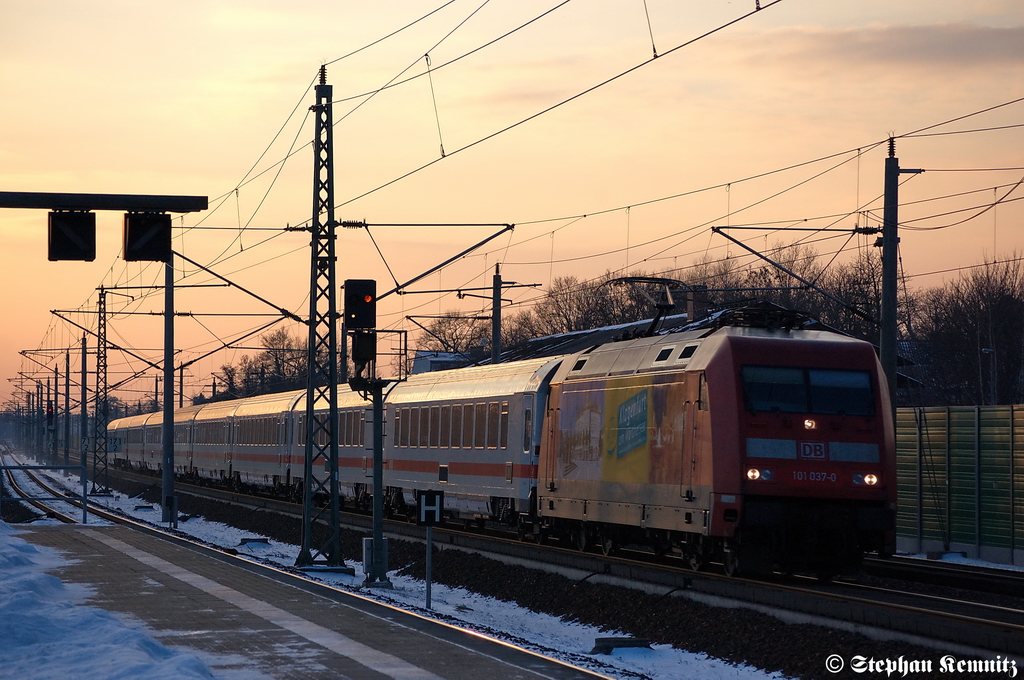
(283, 626)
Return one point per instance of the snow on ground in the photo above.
(47, 633)
(41, 603)
(958, 558)
(541, 633)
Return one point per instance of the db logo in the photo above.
(812, 450)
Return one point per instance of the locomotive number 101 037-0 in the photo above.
(804, 476)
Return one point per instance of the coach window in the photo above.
(446, 426)
(467, 426)
(527, 430)
(435, 426)
(493, 420)
(480, 441)
(504, 425)
(424, 426)
(456, 426)
(404, 441)
(416, 427)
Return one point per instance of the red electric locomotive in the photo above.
(761, 447)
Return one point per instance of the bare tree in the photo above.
(972, 329)
(454, 331)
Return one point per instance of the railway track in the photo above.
(54, 509)
(978, 578)
(919, 617)
(962, 620)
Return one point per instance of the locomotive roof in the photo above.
(687, 349)
(656, 353)
(728, 333)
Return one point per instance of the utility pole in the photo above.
(40, 422)
(170, 504)
(55, 406)
(496, 316)
(83, 423)
(47, 412)
(67, 408)
(322, 362)
(890, 257)
(100, 476)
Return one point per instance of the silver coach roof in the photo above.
(476, 382)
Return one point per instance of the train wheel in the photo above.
(696, 555)
(579, 538)
(608, 544)
(731, 563)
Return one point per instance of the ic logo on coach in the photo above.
(812, 450)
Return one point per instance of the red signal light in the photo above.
(360, 304)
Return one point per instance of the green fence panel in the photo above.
(960, 475)
(962, 443)
(996, 475)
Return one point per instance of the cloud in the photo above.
(957, 46)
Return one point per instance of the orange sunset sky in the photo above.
(212, 98)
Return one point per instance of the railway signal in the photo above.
(360, 304)
(71, 235)
(147, 237)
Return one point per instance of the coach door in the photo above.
(696, 402)
(549, 447)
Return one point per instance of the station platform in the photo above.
(198, 598)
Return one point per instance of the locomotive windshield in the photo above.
(808, 390)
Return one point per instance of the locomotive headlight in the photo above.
(754, 474)
(810, 424)
(870, 480)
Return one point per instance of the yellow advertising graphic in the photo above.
(631, 432)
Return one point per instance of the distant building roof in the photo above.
(426, 361)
